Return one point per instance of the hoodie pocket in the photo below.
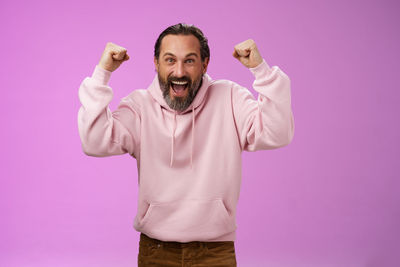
(184, 220)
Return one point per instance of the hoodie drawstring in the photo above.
(173, 140)
(191, 152)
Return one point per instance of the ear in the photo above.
(205, 64)
(156, 63)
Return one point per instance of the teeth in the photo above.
(179, 83)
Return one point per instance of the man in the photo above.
(187, 133)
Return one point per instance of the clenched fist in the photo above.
(247, 53)
(113, 56)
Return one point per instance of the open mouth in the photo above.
(179, 87)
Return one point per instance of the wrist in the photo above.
(261, 70)
(101, 75)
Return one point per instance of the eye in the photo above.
(190, 60)
(170, 60)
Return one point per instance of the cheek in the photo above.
(166, 72)
(195, 72)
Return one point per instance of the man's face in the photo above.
(180, 69)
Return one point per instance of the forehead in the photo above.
(180, 45)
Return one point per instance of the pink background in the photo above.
(330, 198)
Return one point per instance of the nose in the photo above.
(179, 69)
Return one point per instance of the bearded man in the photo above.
(187, 132)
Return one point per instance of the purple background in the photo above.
(330, 198)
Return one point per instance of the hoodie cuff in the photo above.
(262, 70)
(101, 75)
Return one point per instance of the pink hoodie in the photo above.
(189, 162)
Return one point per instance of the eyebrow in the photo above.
(192, 54)
(188, 55)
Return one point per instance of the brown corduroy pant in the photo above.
(154, 252)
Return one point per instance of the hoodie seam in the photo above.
(234, 117)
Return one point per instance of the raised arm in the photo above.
(265, 123)
(102, 132)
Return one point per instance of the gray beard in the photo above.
(180, 103)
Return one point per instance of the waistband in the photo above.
(173, 244)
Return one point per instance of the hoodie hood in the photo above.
(155, 91)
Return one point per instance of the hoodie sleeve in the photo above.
(102, 132)
(265, 123)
